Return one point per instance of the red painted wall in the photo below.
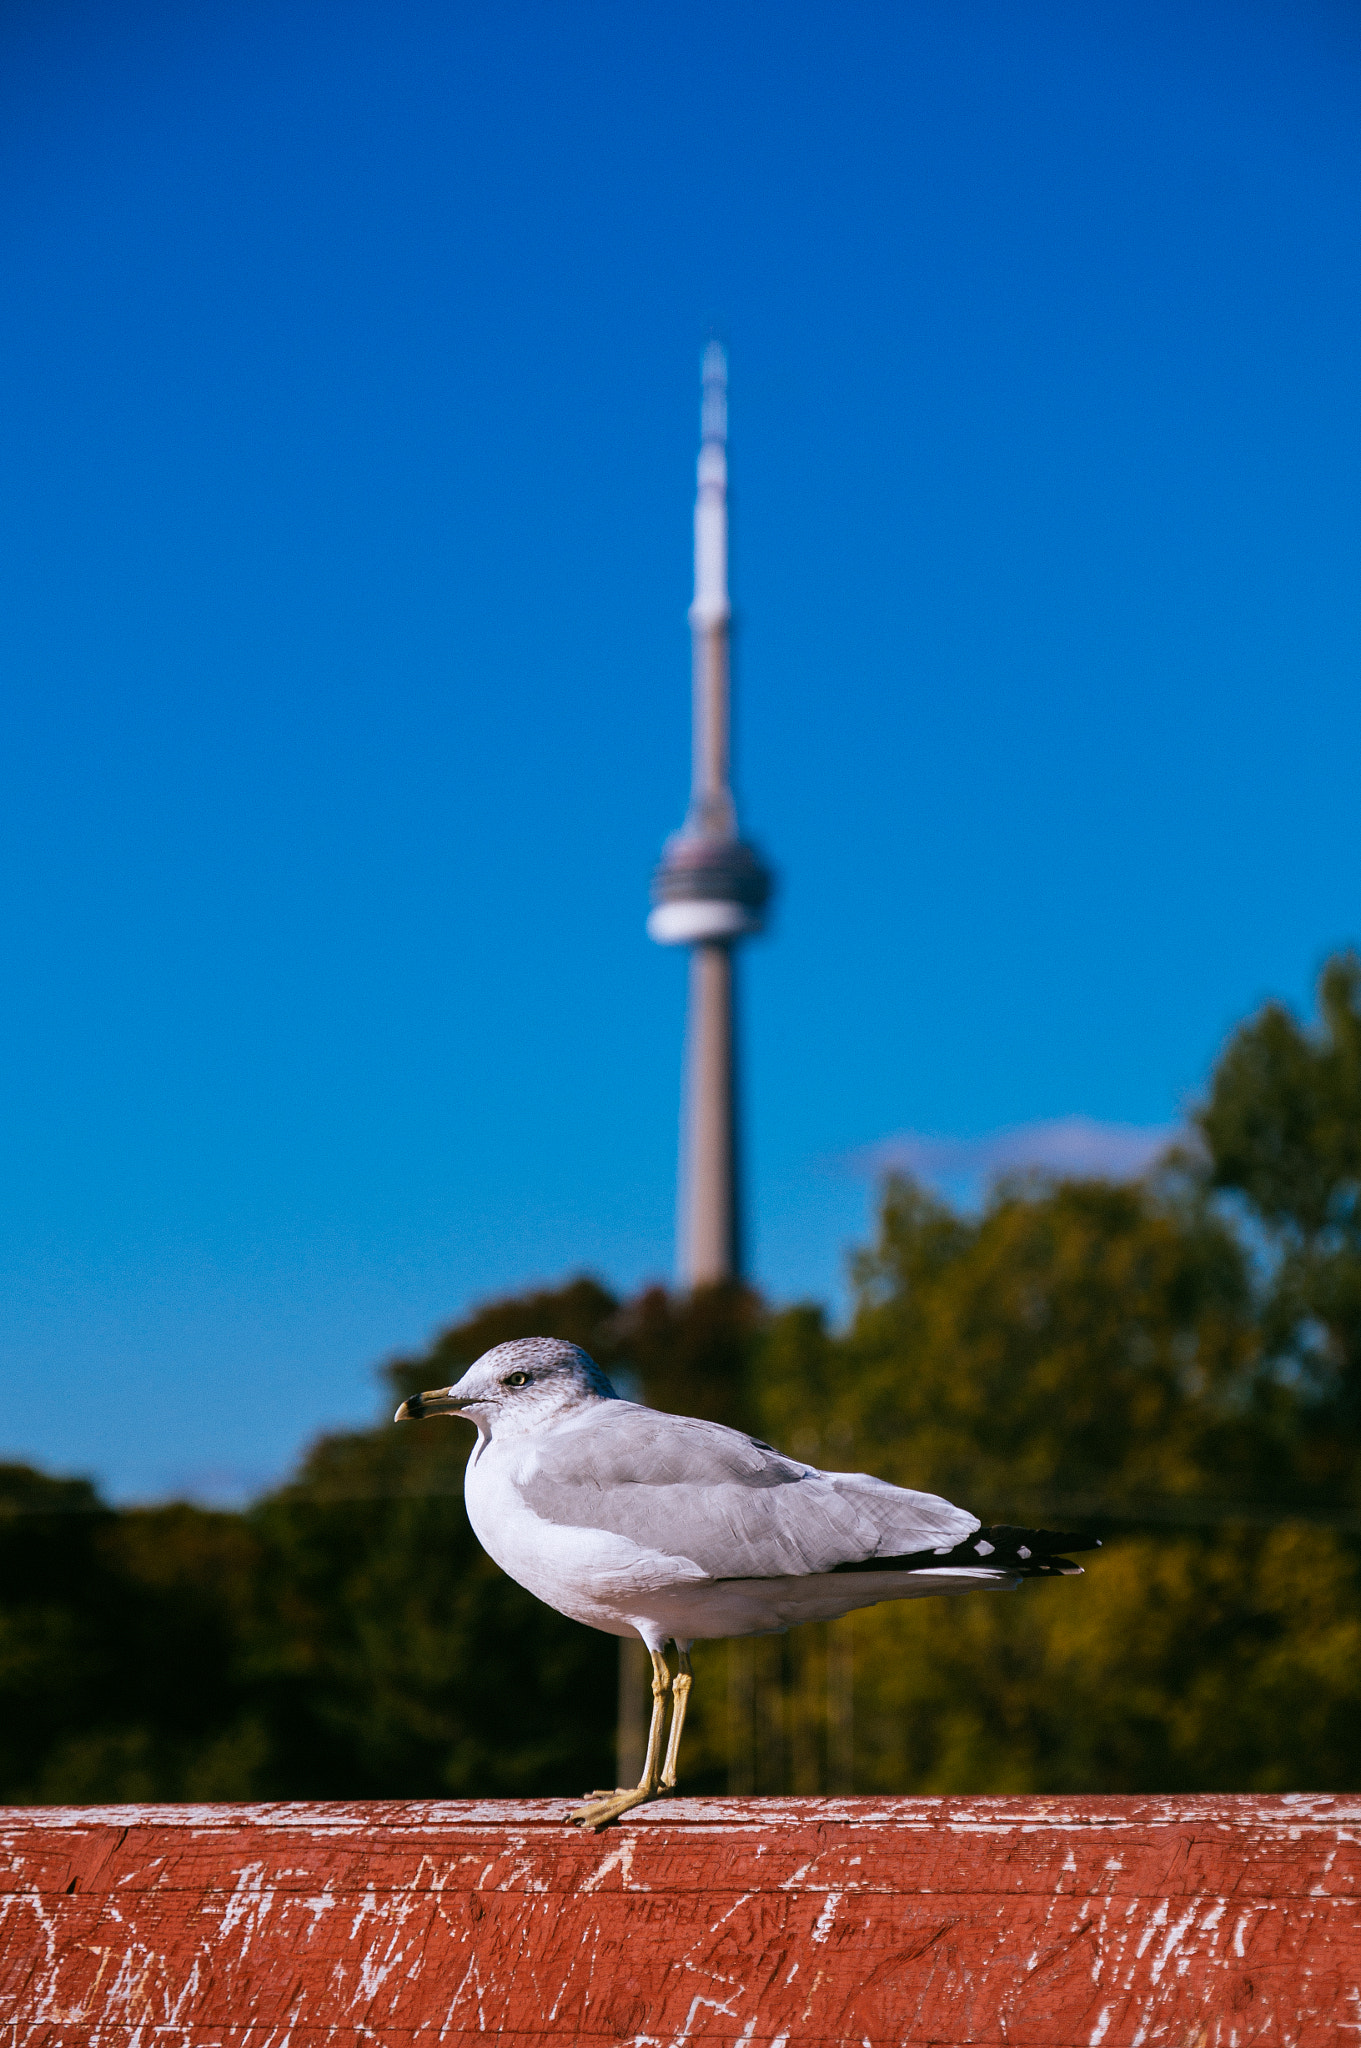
(1042, 1923)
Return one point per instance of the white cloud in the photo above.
(1067, 1147)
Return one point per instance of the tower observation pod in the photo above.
(711, 888)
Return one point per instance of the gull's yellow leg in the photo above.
(607, 1806)
(680, 1696)
(661, 1681)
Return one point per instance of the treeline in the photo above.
(1176, 1365)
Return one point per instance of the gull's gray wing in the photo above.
(728, 1503)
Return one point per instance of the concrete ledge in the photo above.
(1039, 1923)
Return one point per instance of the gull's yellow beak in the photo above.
(443, 1401)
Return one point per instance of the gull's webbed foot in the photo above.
(603, 1807)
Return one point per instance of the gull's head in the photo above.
(517, 1386)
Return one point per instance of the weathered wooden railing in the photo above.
(1039, 1923)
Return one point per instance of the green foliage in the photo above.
(1091, 1356)
(118, 1638)
(392, 1657)
(1186, 1663)
(1176, 1364)
(1282, 1125)
(1283, 1120)
(1085, 1343)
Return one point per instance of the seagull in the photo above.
(645, 1524)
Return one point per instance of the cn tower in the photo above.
(711, 888)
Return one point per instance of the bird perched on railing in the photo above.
(679, 1531)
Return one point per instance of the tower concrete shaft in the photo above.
(709, 1247)
(711, 888)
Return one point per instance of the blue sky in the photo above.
(348, 410)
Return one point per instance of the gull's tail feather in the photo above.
(1023, 1553)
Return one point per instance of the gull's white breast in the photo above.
(591, 1575)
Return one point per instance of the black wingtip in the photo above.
(1039, 1542)
(1025, 1553)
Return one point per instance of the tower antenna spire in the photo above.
(711, 888)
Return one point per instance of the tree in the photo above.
(119, 1636)
(1077, 1347)
(1081, 1354)
(1282, 1127)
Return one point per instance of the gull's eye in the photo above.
(516, 1379)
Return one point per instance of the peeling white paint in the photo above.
(1157, 1920)
(823, 1925)
(1172, 1940)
